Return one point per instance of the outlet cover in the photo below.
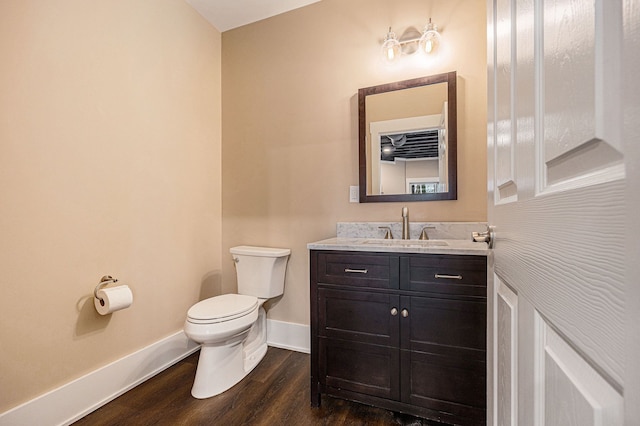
(354, 194)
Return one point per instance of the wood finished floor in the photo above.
(275, 393)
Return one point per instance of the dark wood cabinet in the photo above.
(405, 332)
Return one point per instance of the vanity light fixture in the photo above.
(428, 43)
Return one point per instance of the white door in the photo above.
(557, 148)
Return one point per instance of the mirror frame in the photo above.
(452, 133)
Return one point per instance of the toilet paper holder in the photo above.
(105, 280)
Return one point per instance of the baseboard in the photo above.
(288, 335)
(74, 400)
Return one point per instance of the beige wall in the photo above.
(414, 102)
(290, 124)
(110, 116)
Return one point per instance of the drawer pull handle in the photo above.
(404, 313)
(449, 277)
(356, 271)
(394, 311)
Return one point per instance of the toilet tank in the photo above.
(260, 270)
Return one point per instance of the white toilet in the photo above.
(232, 328)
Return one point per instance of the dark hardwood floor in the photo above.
(275, 393)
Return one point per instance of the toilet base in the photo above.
(223, 365)
(219, 368)
(255, 346)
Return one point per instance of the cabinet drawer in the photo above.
(358, 270)
(455, 275)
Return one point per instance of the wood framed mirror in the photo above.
(408, 140)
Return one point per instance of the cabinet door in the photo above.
(359, 367)
(455, 327)
(358, 316)
(443, 355)
(451, 386)
(358, 345)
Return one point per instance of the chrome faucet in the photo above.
(405, 223)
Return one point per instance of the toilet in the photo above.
(232, 328)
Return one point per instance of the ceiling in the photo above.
(419, 145)
(229, 14)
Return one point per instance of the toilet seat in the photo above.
(222, 308)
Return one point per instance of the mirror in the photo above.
(407, 140)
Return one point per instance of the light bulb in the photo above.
(430, 38)
(390, 54)
(391, 46)
(428, 46)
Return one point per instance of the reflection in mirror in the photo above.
(408, 140)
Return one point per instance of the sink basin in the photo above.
(407, 243)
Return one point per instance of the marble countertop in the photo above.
(402, 246)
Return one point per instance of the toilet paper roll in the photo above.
(113, 299)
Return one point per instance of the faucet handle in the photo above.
(423, 233)
(387, 234)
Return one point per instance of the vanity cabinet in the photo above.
(401, 331)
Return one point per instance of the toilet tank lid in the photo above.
(260, 251)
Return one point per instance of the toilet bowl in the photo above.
(232, 328)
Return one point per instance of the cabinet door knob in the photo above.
(394, 311)
(404, 313)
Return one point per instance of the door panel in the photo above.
(505, 181)
(581, 115)
(569, 392)
(506, 362)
